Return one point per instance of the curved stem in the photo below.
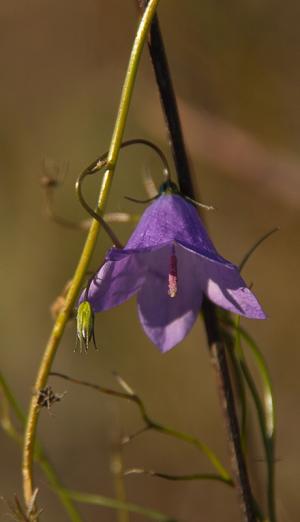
(267, 442)
(255, 246)
(190, 477)
(101, 162)
(59, 326)
(265, 413)
(150, 424)
(190, 439)
(94, 214)
(141, 201)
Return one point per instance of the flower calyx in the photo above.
(85, 326)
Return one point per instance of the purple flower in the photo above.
(170, 262)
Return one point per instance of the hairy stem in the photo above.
(59, 326)
(216, 348)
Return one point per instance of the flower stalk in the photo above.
(62, 319)
(216, 347)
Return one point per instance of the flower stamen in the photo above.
(172, 277)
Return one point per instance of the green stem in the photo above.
(11, 399)
(175, 478)
(190, 439)
(59, 326)
(39, 454)
(266, 416)
(241, 393)
(267, 442)
(224, 475)
(117, 468)
(255, 246)
(56, 484)
(153, 425)
(265, 412)
(267, 384)
(99, 500)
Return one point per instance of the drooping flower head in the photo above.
(170, 263)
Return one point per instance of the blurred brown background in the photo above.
(236, 71)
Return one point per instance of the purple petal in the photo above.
(171, 218)
(164, 319)
(116, 281)
(223, 285)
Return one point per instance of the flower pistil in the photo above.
(172, 277)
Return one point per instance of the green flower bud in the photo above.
(85, 326)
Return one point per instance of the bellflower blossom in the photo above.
(170, 263)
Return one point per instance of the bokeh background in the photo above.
(236, 72)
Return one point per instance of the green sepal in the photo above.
(85, 326)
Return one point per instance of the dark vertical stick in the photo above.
(219, 362)
(169, 105)
(216, 347)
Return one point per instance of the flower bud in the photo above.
(85, 325)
